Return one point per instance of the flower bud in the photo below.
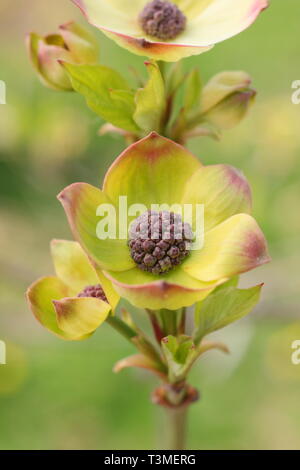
(72, 44)
(232, 110)
(226, 99)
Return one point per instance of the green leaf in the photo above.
(175, 78)
(142, 362)
(106, 93)
(179, 354)
(193, 87)
(151, 101)
(203, 130)
(185, 351)
(170, 346)
(222, 307)
(232, 282)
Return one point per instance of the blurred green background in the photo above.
(56, 395)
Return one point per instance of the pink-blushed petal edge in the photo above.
(156, 48)
(70, 210)
(61, 307)
(235, 179)
(59, 334)
(143, 44)
(254, 249)
(152, 136)
(161, 291)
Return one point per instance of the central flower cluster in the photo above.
(159, 241)
(93, 291)
(162, 19)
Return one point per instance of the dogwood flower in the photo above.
(72, 44)
(77, 300)
(166, 272)
(170, 30)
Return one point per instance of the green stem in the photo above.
(162, 67)
(138, 339)
(169, 321)
(121, 327)
(177, 418)
(157, 328)
(182, 320)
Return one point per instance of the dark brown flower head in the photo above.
(162, 19)
(159, 241)
(93, 291)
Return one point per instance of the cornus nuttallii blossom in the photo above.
(77, 300)
(170, 30)
(71, 44)
(156, 171)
